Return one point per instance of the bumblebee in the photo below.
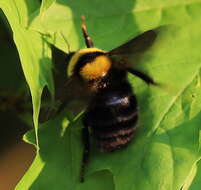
(111, 113)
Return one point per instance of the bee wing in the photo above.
(133, 49)
(131, 52)
(74, 96)
(70, 93)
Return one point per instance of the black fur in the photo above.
(112, 113)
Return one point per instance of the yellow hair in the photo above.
(96, 69)
(77, 55)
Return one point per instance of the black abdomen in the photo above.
(112, 117)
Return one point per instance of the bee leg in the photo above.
(87, 38)
(85, 157)
(143, 76)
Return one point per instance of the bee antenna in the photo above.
(68, 45)
(88, 40)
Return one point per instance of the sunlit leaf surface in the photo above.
(166, 148)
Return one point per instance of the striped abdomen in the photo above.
(112, 119)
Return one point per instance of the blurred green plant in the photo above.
(166, 151)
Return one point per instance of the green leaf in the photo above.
(166, 147)
(46, 4)
(55, 161)
(196, 181)
(110, 23)
(34, 52)
(167, 143)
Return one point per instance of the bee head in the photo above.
(89, 64)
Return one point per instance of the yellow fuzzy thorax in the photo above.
(96, 69)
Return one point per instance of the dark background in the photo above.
(15, 110)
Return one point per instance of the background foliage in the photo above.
(166, 151)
